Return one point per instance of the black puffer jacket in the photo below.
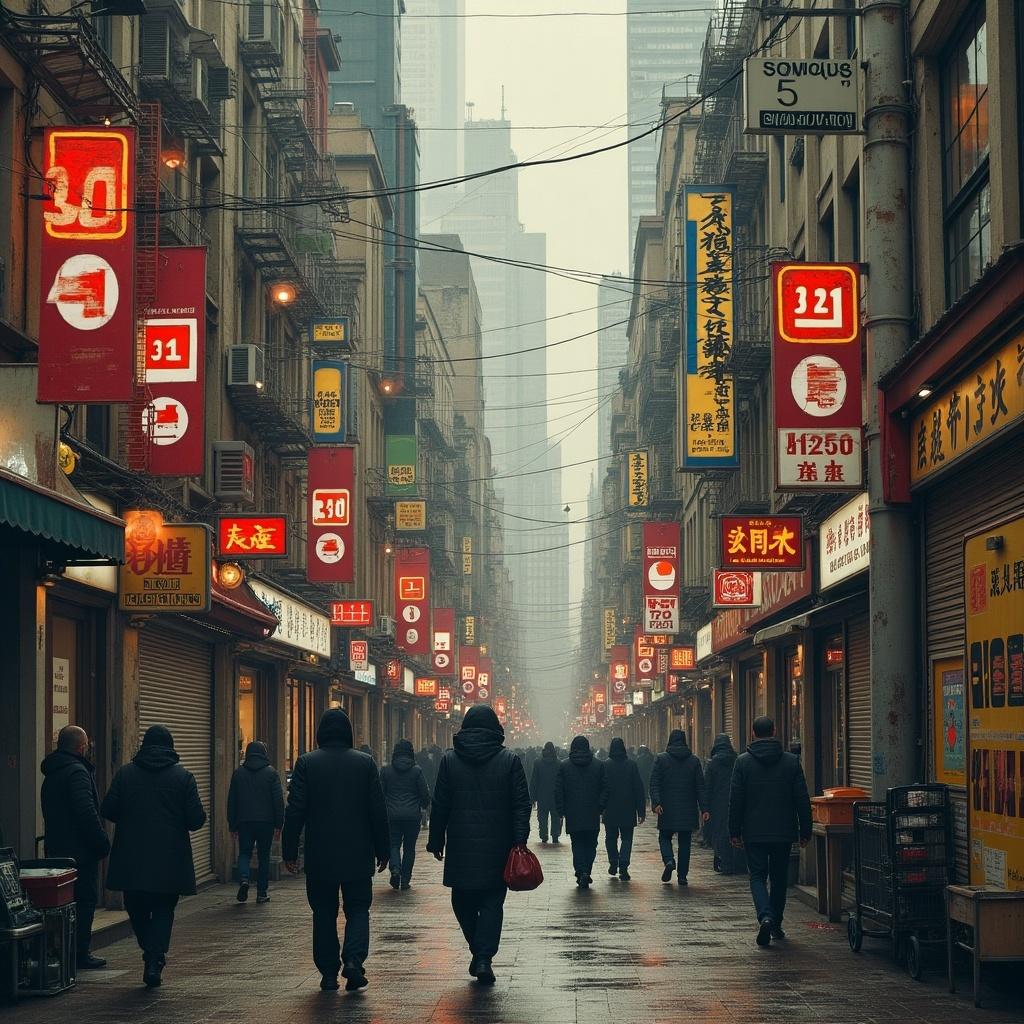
(71, 809)
(404, 784)
(335, 796)
(580, 790)
(645, 765)
(626, 799)
(719, 784)
(154, 802)
(769, 802)
(677, 786)
(542, 779)
(481, 804)
(255, 794)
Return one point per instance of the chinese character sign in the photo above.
(484, 678)
(761, 542)
(844, 542)
(352, 614)
(660, 564)
(682, 658)
(468, 670)
(400, 451)
(816, 375)
(359, 655)
(410, 516)
(167, 565)
(467, 556)
(327, 414)
(618, 671)
(252, 536)
(734, 588)
(330, 526)
(412, 599)
(644, 664)
(87, 330)
(443, 642)
(709, 414)
(425, 686)
(469, 629)
(610, 627)
(637, 478)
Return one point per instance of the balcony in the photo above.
(268, 238)
(260, 46)
(284, 110)
(277, 412)
(179, 225)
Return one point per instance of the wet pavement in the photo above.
(621, 953)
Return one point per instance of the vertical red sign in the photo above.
(485, 679)
(87, 266)
(412, 600)
(643, 659)
(468, 668)
(661, 577)
(618, 671)
(443, 642)
(330, 532)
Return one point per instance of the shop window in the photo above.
(294, 712)
(310, 717)
(246, 711)
(833, 745)
(794, 677)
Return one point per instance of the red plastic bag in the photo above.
(522, 870)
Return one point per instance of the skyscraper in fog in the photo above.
(613, 298)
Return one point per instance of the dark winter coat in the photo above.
(481, 804)
(627, 802)
(542, 779)
(255, 793)
(645, 765)
(580, 789)
(335, 796)
(719, 783)
(769, 802)
(71, 809)
(677, 786)
(405, 785)
(154, 804)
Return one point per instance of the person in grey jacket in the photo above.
(255, 817)
(626, 807)
(679, 800)
(407, 796)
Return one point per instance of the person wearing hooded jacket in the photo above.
(481, 811)
(718, 778)
(72, 828)
(255, 817)
(336, 798)
(645, 765)
(407, 797)
(542, 793)
(154, 804)
(679, 800)
(769, 810)
(626, 807)
(581, 795)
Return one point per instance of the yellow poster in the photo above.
(637, 479)
(994, 602)
(411, 515)
(328, 400)
(610, 623)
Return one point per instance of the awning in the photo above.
(80, 532)
(797, 622)
(241, 611)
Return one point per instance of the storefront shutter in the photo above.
(176, 690)
(858, 690)
(728, 706)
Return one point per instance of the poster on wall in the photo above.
(950, 720)
(994, 604)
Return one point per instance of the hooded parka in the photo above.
(580, 791)
(626, 801)
(404, 784)
(255, 795)
(677, 786)
(542, 779)
(719, 784)
(71, 809)
(645, 765)
(768, 801)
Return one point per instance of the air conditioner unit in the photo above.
(264, 23)
(244, 366)
(385, 626)
(156, 50)
(223, 84)
(233, 472)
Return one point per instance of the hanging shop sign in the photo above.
(328, 401)
(704, 648)
(644, 665)
(333, 334)
(352, 614)
(618, 711)
(467, 556)
(638, 698)
(618, 669)
(443, 705)
(800, 96)
(709, 413)
(610, 622)
(761, 542)
(734, 588)
(251, 536)
(844, 543)
(682, 658)
(359, 655)
(994, 600)
(598, 694)
(167, 566)
(637, 478)
(425, 686)
(468, 668)
(983, 403)
(87, 330)
(816, 376)
(661, 577)
(411, 516)
(400, 452)
(173, 421)
(300, 625)
(393, 674)
(443, 642)
(484, 678)
(412, 599)
(330, 526)
(469, 629)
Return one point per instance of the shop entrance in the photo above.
(73, 673)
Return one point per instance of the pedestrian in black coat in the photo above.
(72, 828)
(542, 793)
(679, 800)
(626, 807)
(407, 797)
(580, 796)
(255, 817)
(336, 798)
(718, 777)
(481, 811)
(645, 765)
(154, 804)
(769, 810)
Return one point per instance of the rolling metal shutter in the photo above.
(176, 690)
(728, 706)
(858, 697)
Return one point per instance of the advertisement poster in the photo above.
(400, 452)
(412, 599)
(950, 719)
(330, 525)
(661, 577)
(637, 478)
(327, 414)
(994, 602)
(443, 642)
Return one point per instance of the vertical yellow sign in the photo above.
(609, 628)
(638, 479)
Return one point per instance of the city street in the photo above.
(622, 952)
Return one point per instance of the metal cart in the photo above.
(902, 861)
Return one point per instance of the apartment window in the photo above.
(965, 156)
(828, 234)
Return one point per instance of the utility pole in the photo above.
(888, 311)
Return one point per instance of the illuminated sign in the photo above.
(762, 542)
(167, 566)
(352, 614)
(252, 536)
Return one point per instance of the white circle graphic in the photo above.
(412, 613)
(85, 291)
(330, 548)
(818, 384)
(412, 635)
(165, 420)
(662, 574)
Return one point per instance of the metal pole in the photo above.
(888, 309)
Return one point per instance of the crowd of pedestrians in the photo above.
(347, 820)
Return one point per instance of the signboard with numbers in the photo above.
(800, 96)
(252, 536)
(329, 515)
(660, 565)
(761, 542)
(816, 376)
(412, 600)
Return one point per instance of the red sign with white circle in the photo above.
(412, 600)
(330, 528)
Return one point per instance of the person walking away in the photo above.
(407, 798)
(481, 811)
(255, 817)
(336, 798)
(719, 784)
(72, 828)
(769, 809)
(154, 804)
(626, 807)
(580, 796)
(542, 793)
(679, 800)
(645, 763)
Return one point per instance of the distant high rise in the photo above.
(661, 49)
(613, 297)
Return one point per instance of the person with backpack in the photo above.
(407, 797)
(625, 808)
(255, 817)
(679, 800)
